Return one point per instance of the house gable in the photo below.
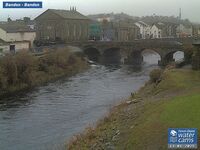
(3, 34)
(48, 15)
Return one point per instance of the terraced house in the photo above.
(16, 36)
(64, 25)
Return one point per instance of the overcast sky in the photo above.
(190, 8)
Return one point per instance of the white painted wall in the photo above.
(144, 30)
(18, 46)
(156, 32)
(3, 35)
(148, 32)
(5, 48)
(19, 36)
(21, 46)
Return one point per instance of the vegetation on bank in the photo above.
(23, 70)
(142, 121)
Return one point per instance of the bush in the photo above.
(9, 69)
(23, 70)
(155, 75)
(26, 66)
(59, 58)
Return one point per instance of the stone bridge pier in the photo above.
(107, 55)
(166, 59)
(134, 58)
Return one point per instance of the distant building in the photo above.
(134, 32)
(196, 31)
(144, 29)
(126, 31)
(108, 31)
(64, 25)
(16, 36)
(184, 30)
(158, 30)
(170, 29)
(119, 31)
(25, 21)
(95, 31)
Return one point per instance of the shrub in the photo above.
(23, 70)
(9, 69)
(26, 66)
(188, 50)
(155, 75)
(59, 58)
(3, 79)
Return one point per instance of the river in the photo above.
(46, 117)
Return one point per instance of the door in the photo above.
(12, 48)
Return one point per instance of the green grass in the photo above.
(178, 112)
(182, 112)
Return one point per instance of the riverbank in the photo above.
(142, 121)
(24, 71)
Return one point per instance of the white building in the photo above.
(16, 36)
(158, 30)
(144, 29)
(6, 47)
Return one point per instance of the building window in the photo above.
(74, 30)
(49, 27)
(80, 31)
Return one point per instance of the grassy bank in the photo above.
(142, 121)
(23, 70)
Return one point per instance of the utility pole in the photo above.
(180, 14)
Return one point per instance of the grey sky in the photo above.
(190, 8)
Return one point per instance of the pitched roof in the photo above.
(67, 14)
(159, 25)
(14, 27)
(2, 42)
(142, 23)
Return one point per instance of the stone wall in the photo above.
(196, 59)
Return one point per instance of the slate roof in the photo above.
(159, 25)
(67, 14)
(14, 27)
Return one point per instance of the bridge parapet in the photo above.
(164, 47)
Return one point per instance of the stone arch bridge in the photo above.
(131, 52)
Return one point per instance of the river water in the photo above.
(48, 116)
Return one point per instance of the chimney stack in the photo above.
(72, 8)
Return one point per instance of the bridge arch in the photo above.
(179, 55)
(111, 55)
(151, 56)
(92, 53)
(170, 57)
